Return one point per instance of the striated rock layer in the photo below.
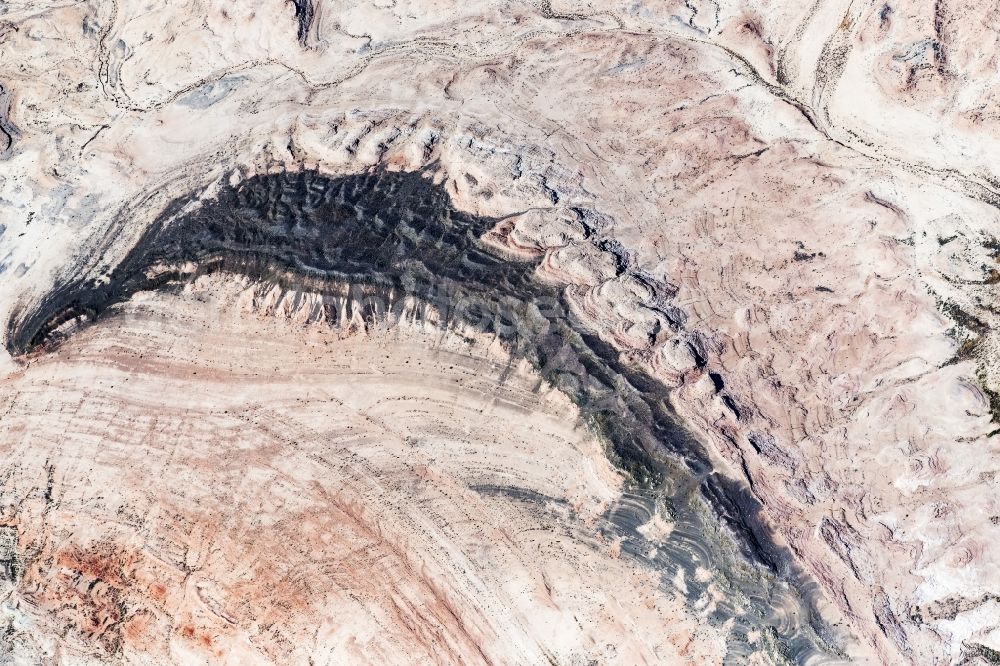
(229, 481)
(721, 276)
(371, 250)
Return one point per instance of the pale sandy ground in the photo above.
(810, 184)
(201, 481)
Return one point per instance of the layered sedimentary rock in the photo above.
(732, 270)
(308, 492)
(379, 250)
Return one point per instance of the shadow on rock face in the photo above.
(395, 239)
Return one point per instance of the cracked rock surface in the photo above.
(456, 332)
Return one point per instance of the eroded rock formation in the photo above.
(401, 333)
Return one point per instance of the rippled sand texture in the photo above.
(784, 213)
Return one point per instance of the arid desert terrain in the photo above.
(567, 333)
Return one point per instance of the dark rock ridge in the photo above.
(304, 14)
(396, 235)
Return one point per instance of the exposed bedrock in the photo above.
(229, 479)
(381, 246)
(780, 216)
